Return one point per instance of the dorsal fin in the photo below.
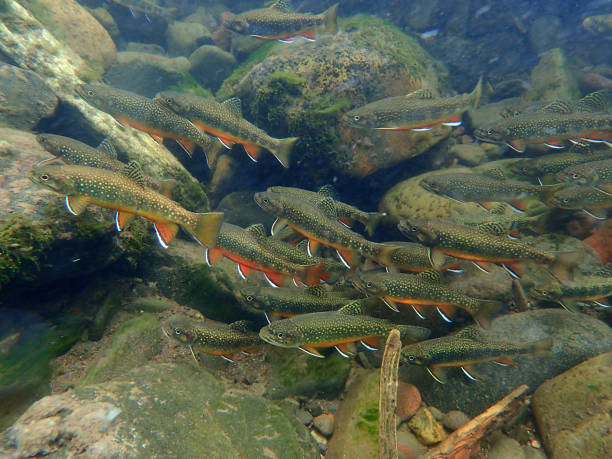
(234, 105)
(499, 209)
(241, 326)
(257, 230)
(423, 93)
(354, 308)
(598, 101)
(134, 172)
(558, 106)
(302, 246)
(509, 113)
(431, 275)
(494, 172)
(328, 207)
(604, 271)
(494, 228)
(107, 147)
(328, 191)
(317, 290)
(282, 5)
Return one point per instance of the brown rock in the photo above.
(426, 428)
(324, 423)
(408, 400)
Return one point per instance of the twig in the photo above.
(387, 433)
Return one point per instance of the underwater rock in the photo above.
(324, 423)
(292, 372)
(576, 337)
(183, 38)
(356, 433)
(408, 445)
(147, 48)
(426, 427)
(74, 26)
(106, 20)
(303, 89)
(211, 65)
(454, 419)
(572, 410)
(409, 199)
(470, 154)
(408, 400)
(503, 447)
(209, 419)
(552, 78)
(25, 98)
(146, 74)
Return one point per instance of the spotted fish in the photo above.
(341, 329)
(279, 22)
(212, 337)
(128, 196)
(414, 257)
(593, 201)
(418, 111)
(225, 121)
(592, 173)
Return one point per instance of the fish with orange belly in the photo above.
(341, 329)
(128, 196)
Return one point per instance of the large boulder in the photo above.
(211, 65)
(576, 337)
(572, 411)
(183, 38)
(159, 410)
(302, 90)
(25, 98)
(74, 26)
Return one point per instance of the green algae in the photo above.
(190, 194)
(191, 86)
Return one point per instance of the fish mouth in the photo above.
(266, 335)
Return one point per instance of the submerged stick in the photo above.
(387, 433)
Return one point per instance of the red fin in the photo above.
(165, 232)
(188, 145)
(485, 205)
(518, 205)
(228, 357)
(470, 372)
(482, 266)
(309, 34)
(311, 351)
(212, 255)
(275, 279)
(346, 222)
(448, 311)
(516, 268)
(227, 143)
(313, 274)
(372, 342)
(312, 247)
(122, 219)
(253, 151)
(504, 360)
(157, 138)
(419, 310)
(347, 349)
(243, 271)
(349, 258)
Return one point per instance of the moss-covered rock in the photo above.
(210, 65)
(303, 89)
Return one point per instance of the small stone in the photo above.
(211, 65)
(304, 417)
(408, 446)
(324, 423)
(426, 428)
(321, 441)
(184, 38)
(437, 414)
(470, 154)
(533, 453)
(454, 419)
(408, 400)
(503, 447)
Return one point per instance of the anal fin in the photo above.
(253, 151)
(188, 145)
(347, 349)
(470, 372)
(165, 232)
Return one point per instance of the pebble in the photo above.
(426, 428)
(503, 447)
(321, 441)
(304, 417)
(408, 446)
(324, 423)
(437, 414)
(408, 400)
(454, 419)
(470, 154)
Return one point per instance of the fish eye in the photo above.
(414, 229)
(177, 331)
(369, 285)
(411, 358)
(574, 176)
(280, 335)
(565, 200)
(90, 93)
(44, 177)
(490, 131)
(265, 200)
(356, 117)
(249, 298)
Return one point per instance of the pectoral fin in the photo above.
(469, 371)
(75, 205)
(437, 373)
(390, 303)
(311, 351)
(278, 225)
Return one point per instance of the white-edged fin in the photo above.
(117, 225)
(418, 313)
(192, 353)
(455, 271)
(368, 347)
(308, 250)
(227, 359)
(272, 284)
(603, 305)
(344, 224)
(132, 12)
(452, 123)
(308, 38)
(433, 375)
(256, 36)
(453, 199)
(516, 209)
(343, 260)
(278, 225)
(159, 238)
(518, 150)
(501, 364)
(540, 181)
(319, 356)
(254, 159)
(390, 304)
(387, 269)
(601, 190)
(480, 267)
(267, 318)
(207, 257)
(590, 140)
(147, 18)
(341, 353)
(444, 316)
(510, 271)
(188, 152)
(467, 373)
(294, 282)
(223, 143)
(75, 205)
(421, 129)
(590, 213)
(240, 273)
(286, 40)
(555, 147)
(513, 238)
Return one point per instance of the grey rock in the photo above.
(576, 337)
(243, 46)
(146, 74)
(25, 99)
(147, 48)
(183, 38)
(533, 453)
(304, 417)
(211, 65)
(572, 410)
(470, 154)
(454, 419)
(408, 445)
(106, 20)
(503, 447)
(128, 417)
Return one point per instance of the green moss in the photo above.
(227, 88)
(190, 85)
(190, 194)
(368, 420)
(332, 109)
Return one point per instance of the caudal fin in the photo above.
(384, 256)
(477, 93)
(283, 151)
(207, 227)
(331, 16)
(483, 314)
(372, 222)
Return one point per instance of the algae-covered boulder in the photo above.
(74, 26)
(552, 78)
(210, 65)
(26, 99)
(575, 338)
(183, 38)
(160, 410)
(303, 89)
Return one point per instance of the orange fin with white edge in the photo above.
(188, 145)
(165, 232)
(419, 311)
(484, 267)
(346, 222)
(311, 248)
(349, 258)
(122, 219)
(227, 357)
(347, 350)
(243, 271)
(211, 256)
(156, 138)
(503, 361)
(311, 351)
(309, 35)
(470, 372)
(437, 373)
(446, 312)
(253, 151)
(274, 279)
(227, 143)
(371, 344)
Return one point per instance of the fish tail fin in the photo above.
(485, 311)
(313, 273)
(477, 93)
(283, 151)
(331, 16)
(372, 222)
(385, 254)
(206, 228)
